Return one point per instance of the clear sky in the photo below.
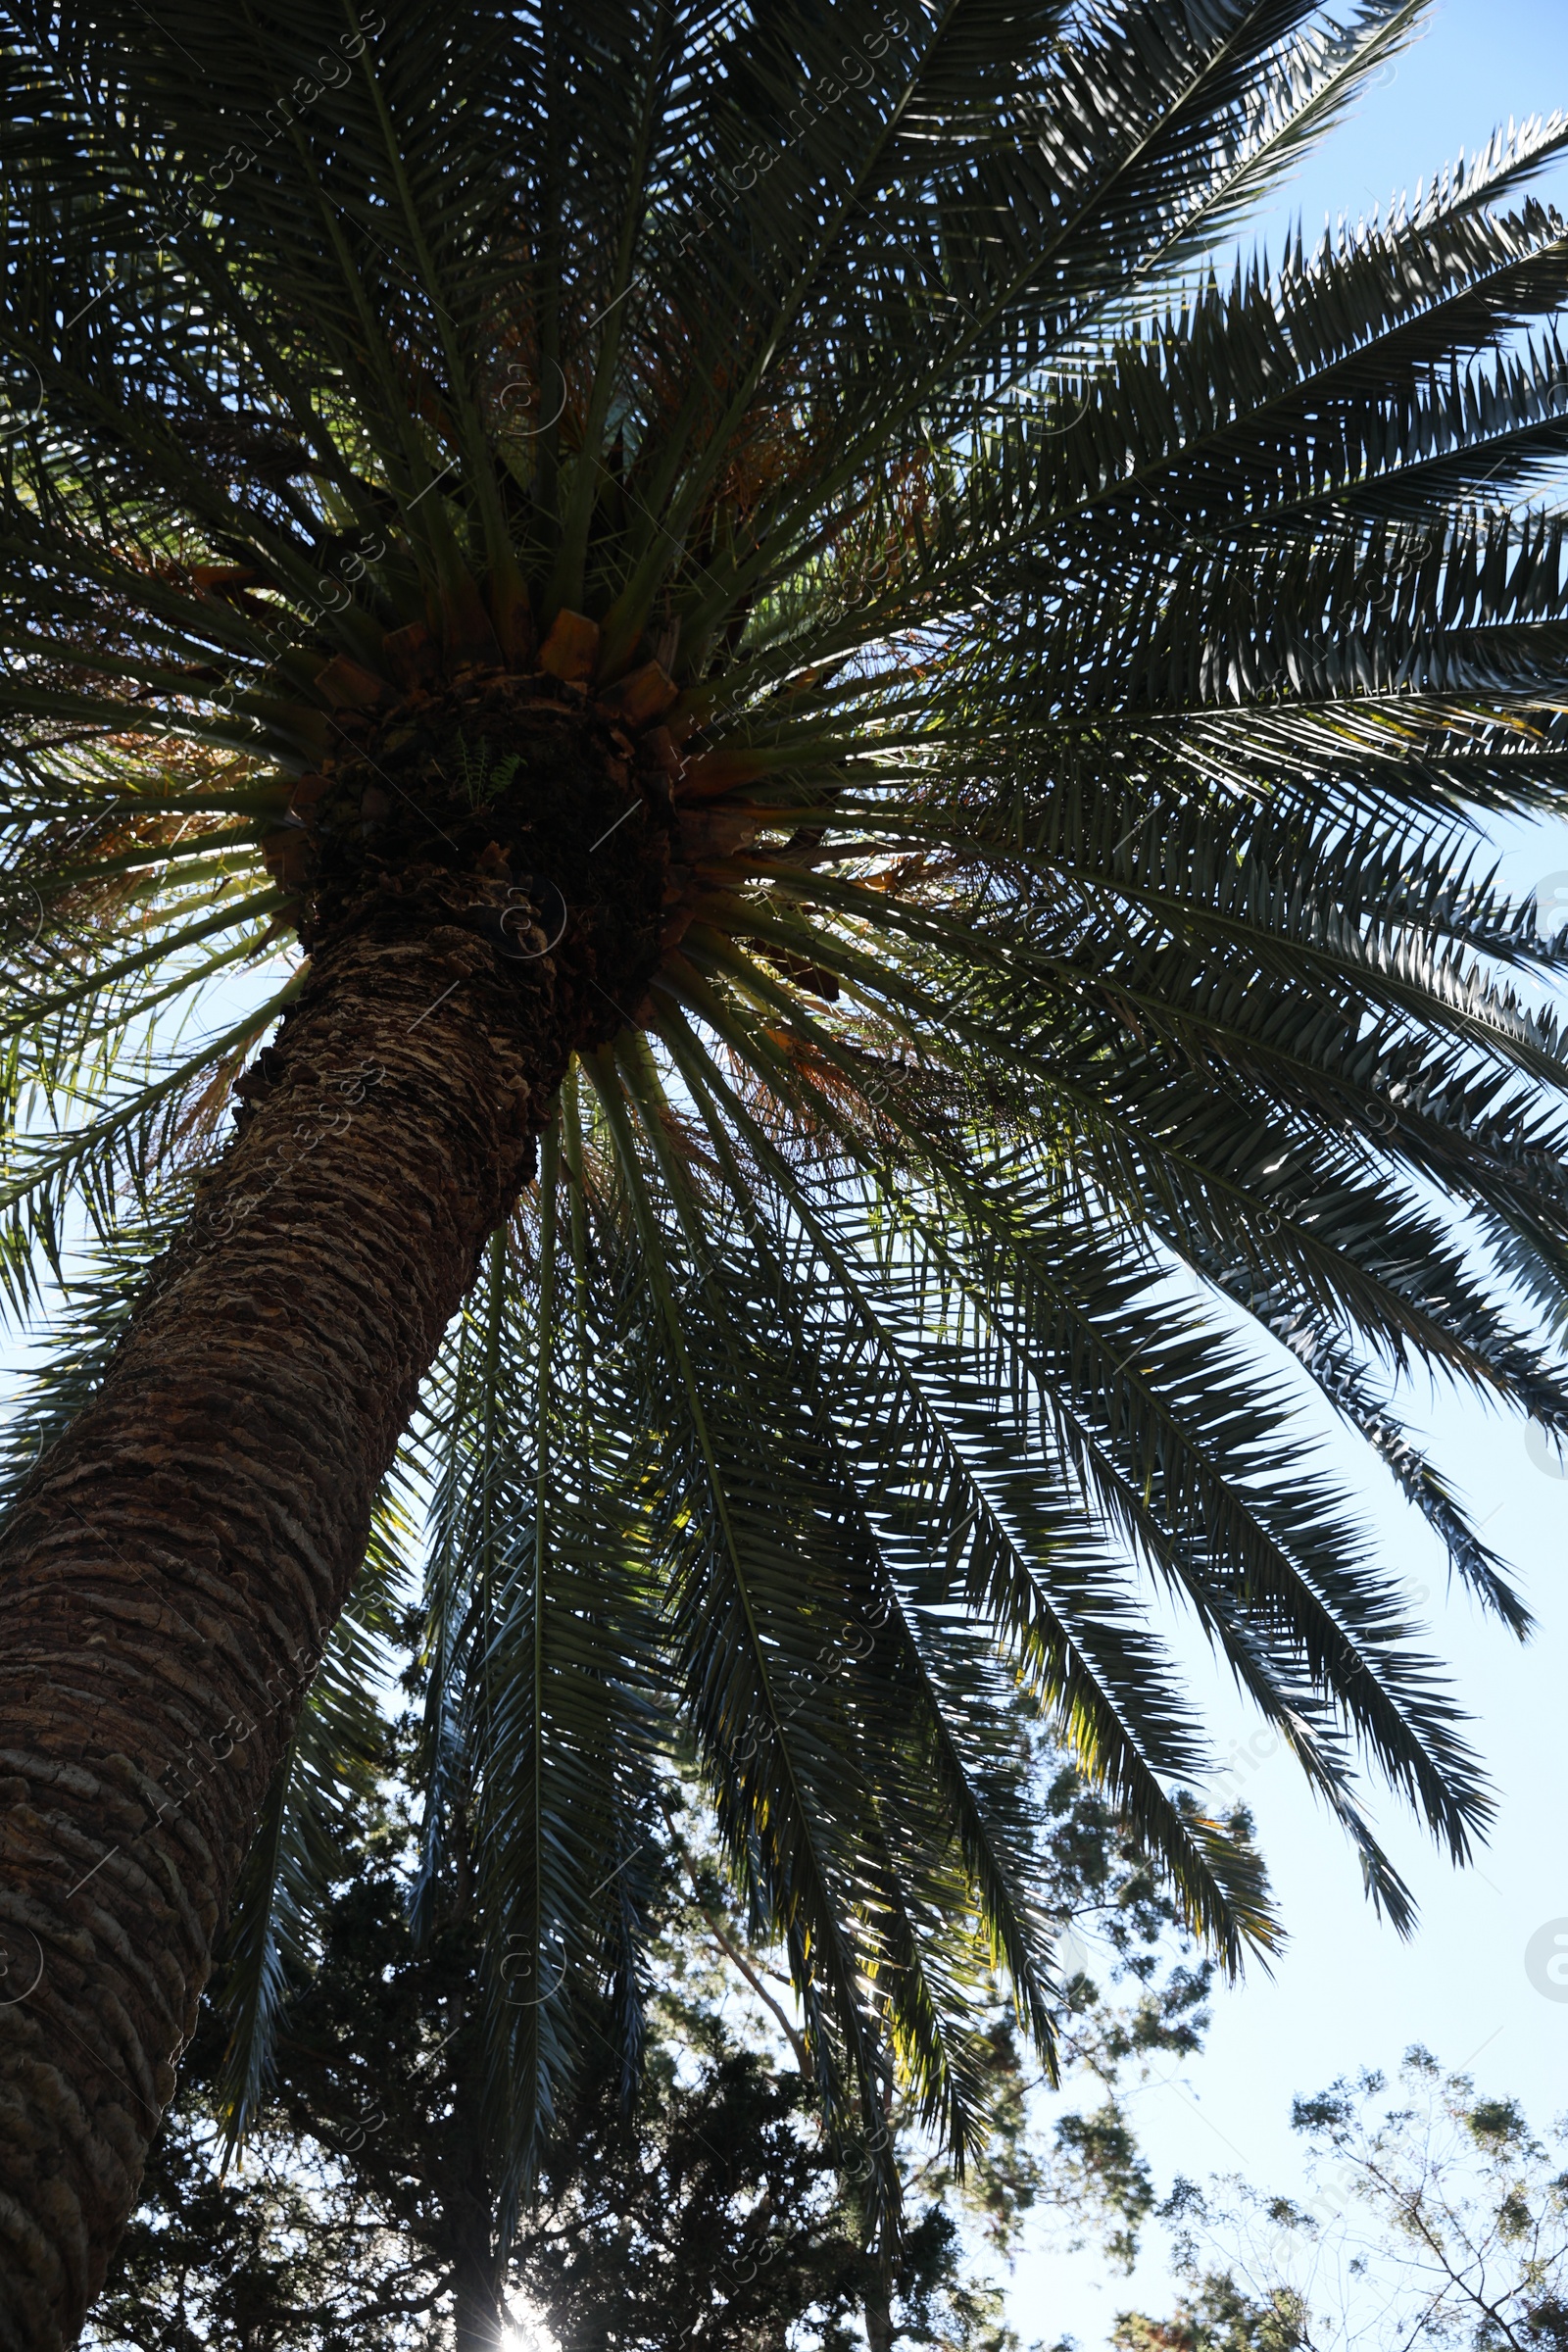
(1348, 1993)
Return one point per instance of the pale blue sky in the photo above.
(1348, 1993)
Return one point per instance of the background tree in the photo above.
(873, 748)
(1437, 2216)
(365, 2211)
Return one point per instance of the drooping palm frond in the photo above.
(82, 1333)
(1065, 667)
(541, 1655)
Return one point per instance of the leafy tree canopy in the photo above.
(701, 2205)
(1435, 2215)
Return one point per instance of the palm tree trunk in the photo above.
(471, 2233)
(880, 2335)
(177, 1560)
(478, 2317)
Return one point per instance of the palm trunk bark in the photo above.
(477, 2318)
(880, 2333)
(180, 1557)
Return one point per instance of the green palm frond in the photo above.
(542, 1639)
(84, 1330)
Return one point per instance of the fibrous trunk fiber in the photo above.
(179, 1556)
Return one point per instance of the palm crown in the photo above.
(778, 517)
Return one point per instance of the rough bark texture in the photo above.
(179, 1557)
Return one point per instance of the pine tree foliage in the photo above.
(1077, 659)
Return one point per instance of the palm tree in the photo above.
(874, 744)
